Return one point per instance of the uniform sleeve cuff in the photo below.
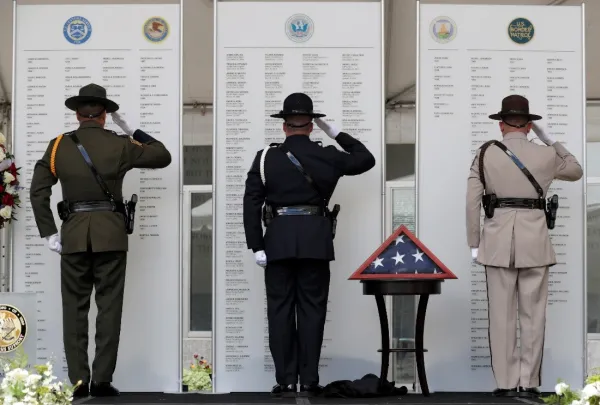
(142, 137)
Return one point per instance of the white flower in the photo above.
(8, 178)
(10, 189)
(560, 388)
(2, 155)
(590, 390)
(6, 212)
(2, 139)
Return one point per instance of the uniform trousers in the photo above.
(80, 273)
(510, 290)
(297, 293)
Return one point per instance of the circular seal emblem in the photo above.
(443, 29)
(521, 31)
(156, 29)
(13, 328)
(77, 30)
(299, 28)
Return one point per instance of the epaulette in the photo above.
(113, 132)
(68, 133)
(274, 144)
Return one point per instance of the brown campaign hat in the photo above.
(92, 93)
(515, 105)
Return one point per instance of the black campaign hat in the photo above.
(515, 105)
(297, 104)
(92, 93)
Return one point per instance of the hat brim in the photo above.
(498, 117)
(285, 115)
(74, 102)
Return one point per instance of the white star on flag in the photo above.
(400, 239)
(398, 258)
(378, 262)
(418, 256)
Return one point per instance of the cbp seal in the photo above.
(13, 328)
(156, 29)
(521, 31)
(77, 30)
(299, 28)
(443, 29)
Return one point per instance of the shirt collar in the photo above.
(516, 135)
(90, 124)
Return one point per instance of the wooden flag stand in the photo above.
(380, 284)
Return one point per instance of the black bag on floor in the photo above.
(366, 387)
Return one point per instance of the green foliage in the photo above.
(198, 376)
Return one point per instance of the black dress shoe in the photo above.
(529, 392)
(103, 390)
(83, 391)
(286, 391)
(503, 392)
(310, 390)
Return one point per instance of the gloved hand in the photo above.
(54, 243)
(261, 258)
(542, 135)
(474, 252)
(329, 129)
(122, 123)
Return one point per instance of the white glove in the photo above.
(261, 258)
(122, 123)
(474, 252)
(542, 135)
(329, 129)
(54, 243)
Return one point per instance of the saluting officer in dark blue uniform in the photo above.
(289, 186)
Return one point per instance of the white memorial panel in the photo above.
(133, 51)
(471, 57)
(332, 52)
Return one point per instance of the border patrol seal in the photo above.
(521, 31)
(299, 28)
(13, 328)
(443, 29)
(156, 29)
(77, 30)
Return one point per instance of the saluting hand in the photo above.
(122, 123)
(329, 129)
(541, 134)
(261, 258)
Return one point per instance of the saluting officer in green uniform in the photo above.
(93, 239)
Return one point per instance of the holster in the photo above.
(332, 215)
(130, 214)
(63, 210)
(551, 210)
(489, 204)
(267, 215)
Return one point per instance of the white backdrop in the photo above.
(462, 81)
(143, 77)
(339, 66)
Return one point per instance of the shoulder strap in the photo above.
(298, 166)
(53, 155)
(87, 159)
(516, 161)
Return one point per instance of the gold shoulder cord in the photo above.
(53, 155)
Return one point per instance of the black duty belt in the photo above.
(531, 203)
(299, 210)
(96, 206)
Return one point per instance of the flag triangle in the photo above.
(402, 257)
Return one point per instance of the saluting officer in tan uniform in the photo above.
(515, 246)
(93, 238)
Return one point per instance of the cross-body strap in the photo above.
(298, 166)
(87, 159)
(515, 160)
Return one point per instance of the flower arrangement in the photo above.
(198, 376)
(9, 194)
(22, 387)
(589, 395)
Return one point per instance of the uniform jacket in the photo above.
(113, 156)
(302, 237)
(519, 231)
